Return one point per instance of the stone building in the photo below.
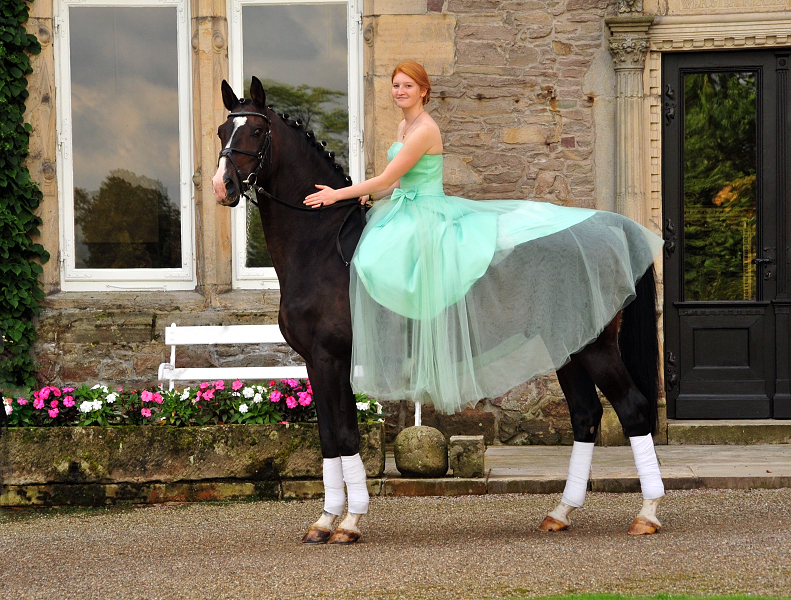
(577, 102)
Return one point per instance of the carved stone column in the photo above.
(629, 46)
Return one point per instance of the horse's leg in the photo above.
(340, 447)
(353, 469)
(586, 413)
(603, 362)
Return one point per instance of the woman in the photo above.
(454, 300)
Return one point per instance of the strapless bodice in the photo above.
(425, 176)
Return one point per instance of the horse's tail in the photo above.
(639, 343)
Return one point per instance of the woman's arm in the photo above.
(418, 143)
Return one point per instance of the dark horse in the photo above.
(310, 248)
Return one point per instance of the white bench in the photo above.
(224, 334)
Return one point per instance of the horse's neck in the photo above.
(297, 240)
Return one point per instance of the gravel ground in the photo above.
(713, 541)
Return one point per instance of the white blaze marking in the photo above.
(237, 123)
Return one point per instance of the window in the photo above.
(124, 143)
(308, 55)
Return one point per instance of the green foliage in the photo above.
(719, 185)
(20, 258)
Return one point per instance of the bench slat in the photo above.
(228, 373)
(223, 334)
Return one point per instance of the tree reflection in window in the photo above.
(128, 223)
(720, 165)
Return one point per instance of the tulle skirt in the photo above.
(455, 300)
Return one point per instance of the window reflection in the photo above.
(299, 52)
(720, 165)
(125, 135)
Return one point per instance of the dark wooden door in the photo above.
(725, 187)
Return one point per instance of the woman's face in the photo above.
(406, 92)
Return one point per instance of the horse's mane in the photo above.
(309, 141)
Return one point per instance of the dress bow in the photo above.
(398, 197)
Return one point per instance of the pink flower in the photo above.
(220, 385)
(21, 401)
(237, 385)
(208, 394)
(157, 397)
(44, 393)
(204, 385)
(146, 412)
(67, 390)
(276, 396)
(55, 391)
(284, 422)
(292, 383)
(54, 404)
(53, 412)
(38, 403)
(146, 396)
(272, 383)
(291, 402)
(68, 401)
(304, 398)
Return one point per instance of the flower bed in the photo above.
(210, 403)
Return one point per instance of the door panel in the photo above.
(724, 135)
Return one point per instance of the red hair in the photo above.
(417, 73)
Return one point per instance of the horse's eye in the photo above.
(258, 132)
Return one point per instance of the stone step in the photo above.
(728, 431)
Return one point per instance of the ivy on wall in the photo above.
(20, 289)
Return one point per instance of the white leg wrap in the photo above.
(579, 473)
(647, 467)
(354, 476)
(334, 494)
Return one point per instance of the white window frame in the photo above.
(264, 277)
(72, 278)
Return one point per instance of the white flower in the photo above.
(185, 394)
(86, 407)
(257, 398)
(96, 405)
(101, 387)
(248, 392)
(111, 398)
(363, 406)
(8, 409)
(243, 408)
(378, 408)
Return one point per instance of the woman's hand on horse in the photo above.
(324, 197)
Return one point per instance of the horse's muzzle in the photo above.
(232, 196)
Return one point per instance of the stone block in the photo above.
(395, 7)
(465, 455)
(434, 487)
(429, 39)
(421, 452)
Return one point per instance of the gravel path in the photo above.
(713, 541)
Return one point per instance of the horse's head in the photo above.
(246, 138)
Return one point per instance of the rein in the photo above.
(252, 180)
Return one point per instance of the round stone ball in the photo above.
(421, 452)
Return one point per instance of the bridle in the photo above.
(264, 153)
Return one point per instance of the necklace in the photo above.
(406, 127)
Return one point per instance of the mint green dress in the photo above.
(456, 300)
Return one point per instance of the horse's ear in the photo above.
(229, 99)
(257, 93)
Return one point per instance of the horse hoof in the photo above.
(317, 535)
(344, 536)
(552, 524)
(642, 526)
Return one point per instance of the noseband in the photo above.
(252, 180)
(263, 153)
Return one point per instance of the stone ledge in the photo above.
(102, 494)
(729, 432)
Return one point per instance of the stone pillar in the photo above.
(629, 46)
